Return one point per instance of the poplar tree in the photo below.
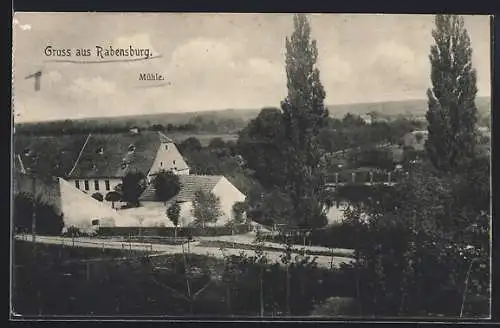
(452, 112)
(304, 114)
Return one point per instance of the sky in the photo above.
(219, 61)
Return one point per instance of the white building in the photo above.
(105, 159)
(227, 193)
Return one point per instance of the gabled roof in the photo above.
(114, 155)
(190, 184)
(164, 138)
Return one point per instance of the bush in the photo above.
(336, 306)
(170, 231)
(341, 235)
(98, 196)
(48, 221)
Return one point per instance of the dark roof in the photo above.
(190, 184)
(121, 153)
(52, 155)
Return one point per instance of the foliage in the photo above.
(163, 231)
(304, 114)
(372, 157)
(48, 221)
(73, 231)
(261, 145)
(113, 196)
(217, 143)
(166, 185)
(352, 120)
(173, 213)
(423, 238)
(452, 112)
(190, 144)
(98, 196)
(268, 207)
(206, 208)
(335, 307)
(132, 187)
(239, 209)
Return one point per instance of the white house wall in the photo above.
(102, 186)
(169, 157)
(79, 209)
(113, 182)
(228, 195)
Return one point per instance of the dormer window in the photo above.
(166, 147)
(124, 166)
(131, 148)
(27, 152)
(100, 150)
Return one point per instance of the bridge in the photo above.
(364, 178)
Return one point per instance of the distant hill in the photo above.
(231, 120)
(394, 108)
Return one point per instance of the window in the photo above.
(161, 164)
(96, 184)
(174, 161)
(77, 184)
(166, 147)
(106, 182)
(86, 184)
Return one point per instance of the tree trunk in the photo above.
(175, 231)
(288, 290)
(261, 292)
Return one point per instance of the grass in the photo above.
(63, 253)
(250, 247)
(204, 138)
(45, 284)
(156, 240)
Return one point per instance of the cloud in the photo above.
(391, 56)
(137, 41)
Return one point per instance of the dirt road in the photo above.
(323, 261)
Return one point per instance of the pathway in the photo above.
(323, 261)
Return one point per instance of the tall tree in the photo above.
(173, 213)
(132, 187)
(452, 112)
(166, 185)
(304, 114)
(206, 208)
(261, 145)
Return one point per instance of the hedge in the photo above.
(341, 235)
(170, 231)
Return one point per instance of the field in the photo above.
(388, 108)
(204, 138)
